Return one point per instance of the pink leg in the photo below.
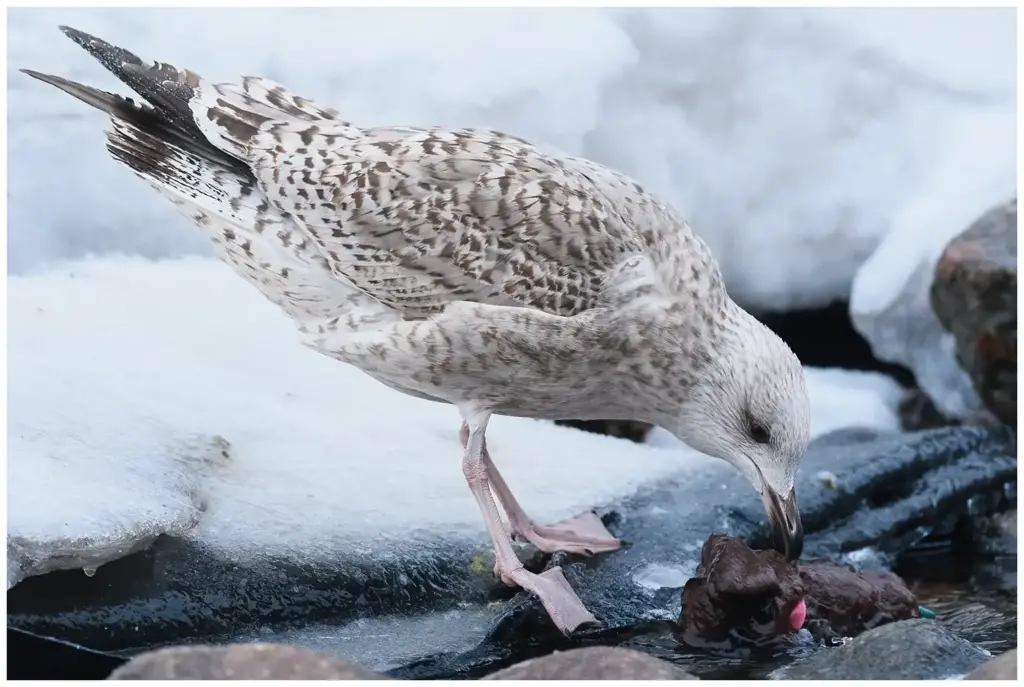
(582, 534)
(559, 599)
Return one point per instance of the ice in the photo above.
(655, 576)
(112, 359)
(790, 138)
(388, 642)
(81, 491)
(890, 303)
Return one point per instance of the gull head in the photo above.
(748, 405)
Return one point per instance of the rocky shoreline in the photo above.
(883, 491)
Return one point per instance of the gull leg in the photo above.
(583, 534)
(559, 599)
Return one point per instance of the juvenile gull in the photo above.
(467, 267)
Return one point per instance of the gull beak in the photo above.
(784, 516)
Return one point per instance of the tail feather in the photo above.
(164, 86)
(195, 157)
(144, 117)
(225, 116)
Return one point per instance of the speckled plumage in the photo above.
(463, 265)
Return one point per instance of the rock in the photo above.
(623, 429)
(240, 662)
(997, 535)
(974, 295)
(906, 650)
(1002, 667)
(593, 663)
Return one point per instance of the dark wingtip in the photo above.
(80, 37)
(45, 78)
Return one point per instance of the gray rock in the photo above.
(240, 662)
(906, 650)
(974, 296)
(593, 663)
(1002, 667)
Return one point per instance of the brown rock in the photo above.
(593, 663)
(974, 296)
(240, 662)
(1002, 667)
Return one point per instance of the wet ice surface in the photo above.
(656, 576)
(387, 642)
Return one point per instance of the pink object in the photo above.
(798, 615)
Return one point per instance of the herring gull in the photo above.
(465, 266)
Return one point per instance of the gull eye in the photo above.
(759, 433)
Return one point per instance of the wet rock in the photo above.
(907, 650)
(593, 663)
(997, 535)
(742, 597)
(887, 488)
(974, 295)
(240, 662)
(1002, 667)
(622, 429)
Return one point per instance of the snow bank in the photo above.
(790, 138)
(114, 360)
(890, 304)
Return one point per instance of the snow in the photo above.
(113, 360)
(890, 303)
(790, 138)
